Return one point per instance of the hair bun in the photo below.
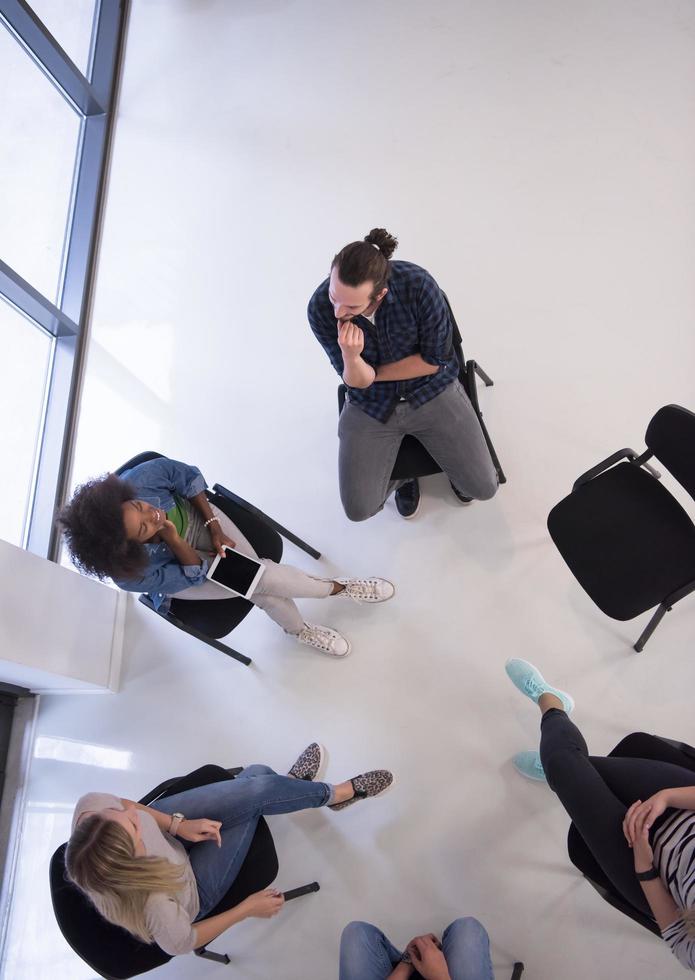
(386, 243)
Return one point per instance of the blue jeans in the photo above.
(238, 804)
(367, 954)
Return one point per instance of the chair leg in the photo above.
(288, 535)
(651, 626)
(482, 375)
(211, 642)
(518, 970)
(206, 954)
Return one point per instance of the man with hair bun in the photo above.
(386, 328)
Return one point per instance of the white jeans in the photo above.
(279, 584)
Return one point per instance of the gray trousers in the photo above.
(447, 427)
(279, 584)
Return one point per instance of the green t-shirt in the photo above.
(178, 515)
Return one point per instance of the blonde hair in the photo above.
(100, 859)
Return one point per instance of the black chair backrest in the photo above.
(457, 342)
(113, 952)
(638, 745)
(136, 460)
(671, 437)
(107, 949)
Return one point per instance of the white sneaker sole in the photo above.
(410, 516)
(327, 653)
(368, 602)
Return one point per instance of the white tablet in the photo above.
(236, 573)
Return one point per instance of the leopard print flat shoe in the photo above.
(308, 763)
(369, 784)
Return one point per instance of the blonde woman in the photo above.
(127, 860)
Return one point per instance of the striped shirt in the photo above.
(674, 858)
(413, 318)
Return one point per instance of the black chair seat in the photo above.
(112, 952)
(413, 461)
(638, 745)
(218, 617)
(626, 539)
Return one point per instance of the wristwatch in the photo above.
(176, 819)
(647, 875)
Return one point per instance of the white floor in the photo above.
(538, 159)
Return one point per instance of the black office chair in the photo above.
(626, 539)
(639, 745)
(114, 953)
(413, 461)
(210, 620)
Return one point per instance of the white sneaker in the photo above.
(325, 640)
(366, 589)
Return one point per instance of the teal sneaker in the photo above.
(529, 765)
(529, 680)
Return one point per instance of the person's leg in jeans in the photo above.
(450, 431)
(368, 450)
(596, 793)
(276, 589)
(466, 948)
(237, 804)
(366, 953)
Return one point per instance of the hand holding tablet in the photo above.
(236, 573)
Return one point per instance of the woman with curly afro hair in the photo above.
(153, 530)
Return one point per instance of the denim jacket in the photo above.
(156, 482)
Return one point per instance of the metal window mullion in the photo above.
(33, 304)
(55, 463)
(49, 55)
(40, 520)
(40, 436)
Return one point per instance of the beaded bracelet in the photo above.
(211, 519)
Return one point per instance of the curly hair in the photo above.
(94, 531)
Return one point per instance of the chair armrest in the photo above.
(615, 458)
(239, 501)
(604, 465)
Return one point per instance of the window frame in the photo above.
(94, 99)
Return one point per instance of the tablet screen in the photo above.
(236, 571)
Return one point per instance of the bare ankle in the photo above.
(548, 701)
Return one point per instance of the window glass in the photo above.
(26, 352)
(39, 135)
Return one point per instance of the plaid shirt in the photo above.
(413, 318)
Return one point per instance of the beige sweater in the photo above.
(169, 921)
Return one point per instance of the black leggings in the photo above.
(596, 792)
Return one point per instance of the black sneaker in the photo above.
(408, 499)
(460, 496)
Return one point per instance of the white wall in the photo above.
(58, 630)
